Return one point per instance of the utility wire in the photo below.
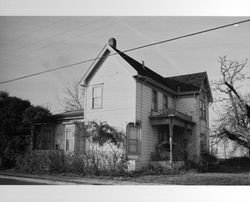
(131, 49)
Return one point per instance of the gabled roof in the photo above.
(179, 84)
(145, 71)
(195, 79)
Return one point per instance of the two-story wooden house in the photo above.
(167, 115)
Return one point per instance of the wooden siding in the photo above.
(148, 133)
(118, 94)
(190, 106)
(204, 124)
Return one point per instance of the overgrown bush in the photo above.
(202, 164)
(106, 155)
(91, 163)
(235, 164)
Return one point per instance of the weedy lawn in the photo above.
(196, 179)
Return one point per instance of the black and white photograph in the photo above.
(127, 101)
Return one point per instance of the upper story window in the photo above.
(154, 100)
(97, 96)
(202, 110)
(165, 102)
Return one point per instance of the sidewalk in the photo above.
(62, 179)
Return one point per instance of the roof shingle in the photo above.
(175, 84)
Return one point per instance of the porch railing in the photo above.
(171, 112)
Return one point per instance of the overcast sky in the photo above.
(33, 44)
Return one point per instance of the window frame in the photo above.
(97, 97)
(136, 141)
(165, 101)
(69, 131)
(46, 139)
(154, 100)
(203, 111)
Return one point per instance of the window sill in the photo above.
(96, 108)
(133, 156)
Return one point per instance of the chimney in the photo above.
(143, 66)
(112, 42)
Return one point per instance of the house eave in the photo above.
(147, 79)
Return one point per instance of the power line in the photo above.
(131, 49)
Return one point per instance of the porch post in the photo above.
(171, 116)
(185, 142)
(31, 138)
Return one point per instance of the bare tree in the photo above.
(233, 122)
(73, 97)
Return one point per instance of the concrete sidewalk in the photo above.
(63, 180)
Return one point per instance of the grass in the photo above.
(190, 178)
(196, 179)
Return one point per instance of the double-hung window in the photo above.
(132, 139)
(46, 139)
(97, 96)
(165, 102)
(69, 138)
(154, 100)
(202, 110)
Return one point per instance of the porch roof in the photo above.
(162, 117)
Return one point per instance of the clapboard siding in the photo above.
(149, 134)
(190, 105)
(118, 95)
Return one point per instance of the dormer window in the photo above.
(97, 96)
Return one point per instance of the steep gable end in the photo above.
(176, 84)
(107, 51)
(197, 80)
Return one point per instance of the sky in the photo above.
(34, 44)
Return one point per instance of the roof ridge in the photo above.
(187, 74)
(125, 55)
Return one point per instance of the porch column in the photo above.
(185, 142)
(31, 137)
(171, 116)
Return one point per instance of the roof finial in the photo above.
(112, 42)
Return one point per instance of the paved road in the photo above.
(4, 181)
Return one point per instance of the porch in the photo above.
(174, 135)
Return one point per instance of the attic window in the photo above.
(97, 96)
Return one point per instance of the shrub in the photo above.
(235, 164)
(106, 156)
(92, 163)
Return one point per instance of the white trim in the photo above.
(107, 50)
